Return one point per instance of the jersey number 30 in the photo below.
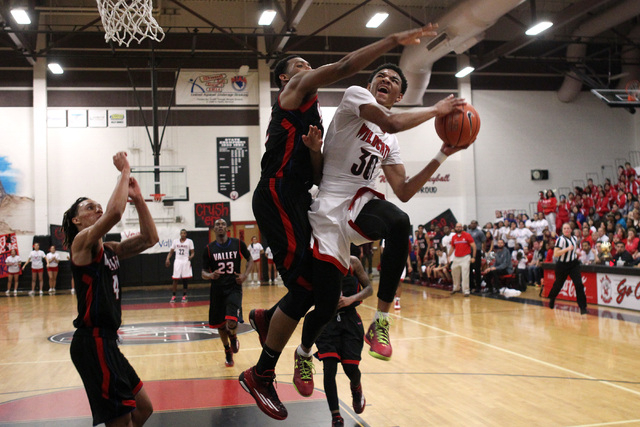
(366, 167)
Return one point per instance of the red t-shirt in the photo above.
(462, 244)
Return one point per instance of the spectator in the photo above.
(463, 251)
(534, 266)
(541, 199)
(441, 271)
(550, 209)
(564, 209)
(519, 258)
(522, 235)
(619, 219)
(501, 267)
(632, 241)
(446, 239)
(429, 263)
(622, 258)
(511, 237)
(629, 171)
(586, 254)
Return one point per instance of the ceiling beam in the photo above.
(565, 17)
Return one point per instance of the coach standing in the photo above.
(463, 248)
(567, 264)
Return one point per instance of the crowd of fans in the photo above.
(605, 220)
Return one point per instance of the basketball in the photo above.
(459, 129)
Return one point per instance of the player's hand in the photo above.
(120, 161)
(448, 105)
(134, 189)
(167, 263)
(344, 302)
(240, 278)
(449, 150)
(409, 37)
(313, 140)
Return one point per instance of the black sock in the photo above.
(268, 360)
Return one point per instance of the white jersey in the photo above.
(36, 258)
(53, 259)
(13, 264)
(254, 250)
(355, 149)
(182, 249)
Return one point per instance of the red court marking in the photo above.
(163, 305)
(170, 395)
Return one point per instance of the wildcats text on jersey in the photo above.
(365, 134)
(112, 262)
(218, 256)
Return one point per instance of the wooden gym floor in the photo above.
(478, 361)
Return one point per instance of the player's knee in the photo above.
(400, 223)
(231, 324)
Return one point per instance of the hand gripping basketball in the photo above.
(459, 128)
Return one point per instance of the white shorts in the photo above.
(182, 270)
(333, 229)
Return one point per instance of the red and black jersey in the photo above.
(225, 258)
(98, 292)
(350, 286)
(286, 157)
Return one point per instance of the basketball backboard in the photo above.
(171, 181)
(618, 98)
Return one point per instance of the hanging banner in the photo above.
(208, 213)
(233, 166)
(216, 87)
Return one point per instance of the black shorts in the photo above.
(282, 216)
(342, 338)
(110, 381)
(225, 303)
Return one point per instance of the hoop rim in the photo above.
(157, 197)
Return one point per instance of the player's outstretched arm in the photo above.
(313, 140)
(404, 188)
(148, 233)
(397, 122)
(306, 82)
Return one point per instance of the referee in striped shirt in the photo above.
(567, 264)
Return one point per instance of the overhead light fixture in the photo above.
(21, 16)
(55, 68)
(464, 72)
(267, 17)
(377, 19)
(538, 28)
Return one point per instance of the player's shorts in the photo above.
(225, 304)
(110, 381)
(342, 338)
(52, 268)
(332, 218)
(281, 214)
(37, 270)
(182, 270)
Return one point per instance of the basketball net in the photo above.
(633, 91)
(157, 198)
(127, 20)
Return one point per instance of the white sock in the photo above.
(303, 353)
(380, 314)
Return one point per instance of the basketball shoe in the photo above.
(259, 322)
(396, 303)
(262, 390)
(173, 299)
(235, 344)
(185, 299)
(359, 401)
(228, 358)
(303, 374)
(337, 421)
(378, 338)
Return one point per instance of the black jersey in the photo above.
(421, 240)
(226, 259)
(98, 288)
(286, 156)
(350, 286)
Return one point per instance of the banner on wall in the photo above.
(207, 213)
(445, 218)
(166, 236)
(233, 166)
(216, 87)
(57, 237)
(7, 242)
(442, 183)
(620, 291)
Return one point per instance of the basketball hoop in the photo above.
(633, 91)
(157, 198)
(127, 20)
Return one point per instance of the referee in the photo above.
(567, 264)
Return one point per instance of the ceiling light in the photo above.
(20, 16)
(377, 19)
(538, 28)
(464, 72)
(55, 68)
(267, 17)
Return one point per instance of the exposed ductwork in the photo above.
(576, 52)
(461, 28)
(631, 59)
